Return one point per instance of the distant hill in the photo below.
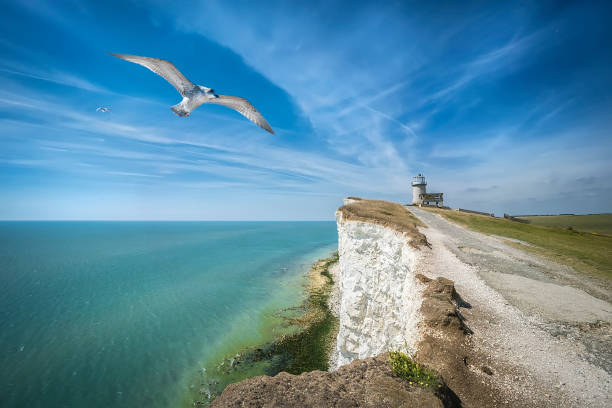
(597, 223)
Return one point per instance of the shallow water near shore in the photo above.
(124, 314)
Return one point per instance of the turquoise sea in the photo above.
(126, 314)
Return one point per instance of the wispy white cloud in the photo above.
(407, 128)
(166, 152)
(130, 174)
(505, 59)
(58, 77)
(473, 148)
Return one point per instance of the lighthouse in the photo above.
(418, 187)
(421, 197)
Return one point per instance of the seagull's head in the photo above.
(209, 92)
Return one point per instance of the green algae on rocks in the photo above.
(310, 332)
(309, 348)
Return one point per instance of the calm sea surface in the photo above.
(125, 314)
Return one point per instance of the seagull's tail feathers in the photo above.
(180, 110)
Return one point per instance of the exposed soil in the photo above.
(446, 346)
(363, 383)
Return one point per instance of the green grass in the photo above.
(585, 252)
(404, 367)
(596, 223)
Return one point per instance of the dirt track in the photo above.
(544, 329)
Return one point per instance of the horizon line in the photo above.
(153, 220)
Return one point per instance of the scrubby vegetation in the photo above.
(404, 367)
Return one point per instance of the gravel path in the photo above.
(544, 329)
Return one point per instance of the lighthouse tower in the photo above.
(418, 188)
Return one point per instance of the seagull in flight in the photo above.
(196, 95)
(103, 109)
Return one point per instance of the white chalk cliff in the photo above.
(380, 297)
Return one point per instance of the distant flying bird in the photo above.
(103, 109)
(196, 95)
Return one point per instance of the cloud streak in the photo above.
(58, 77)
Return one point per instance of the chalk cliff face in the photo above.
(380, 297)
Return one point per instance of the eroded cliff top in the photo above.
(392, 215)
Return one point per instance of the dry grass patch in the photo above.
(392, 215)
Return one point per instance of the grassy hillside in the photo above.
(585, 252)
(596, 223)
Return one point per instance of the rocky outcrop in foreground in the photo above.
(363, 383)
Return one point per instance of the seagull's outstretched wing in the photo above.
(244, 107)
(163, 68)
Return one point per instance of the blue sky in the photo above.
(504, 107)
